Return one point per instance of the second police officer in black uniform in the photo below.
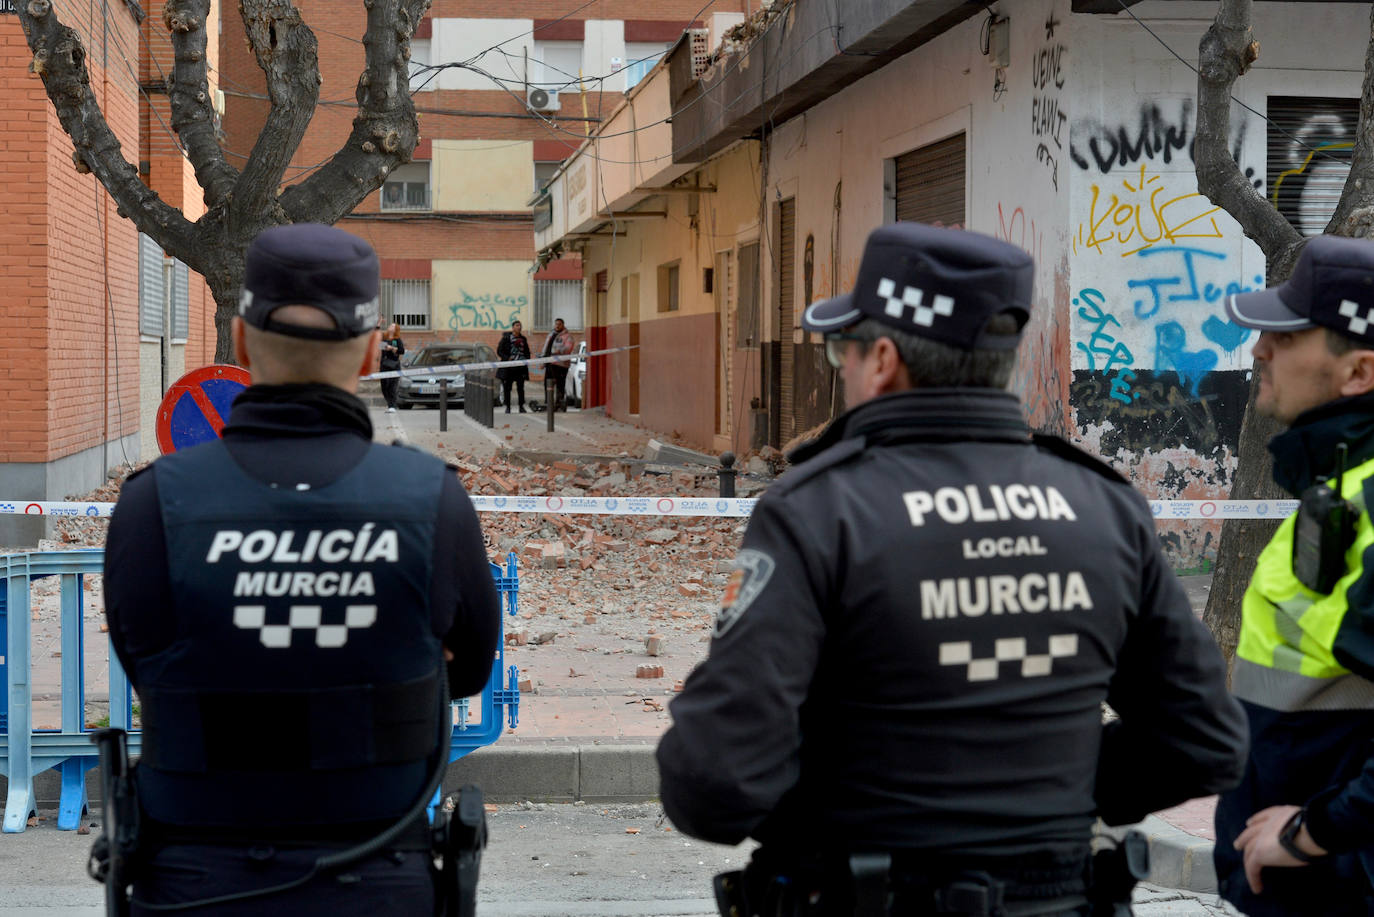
(283, 599)
(903, 696)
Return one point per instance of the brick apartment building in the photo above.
(453, 227)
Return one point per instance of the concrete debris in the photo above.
(653, 644)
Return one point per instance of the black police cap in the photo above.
(1332, 286)
(939, 283)
(311, 264)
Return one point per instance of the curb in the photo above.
(516, 773)
(1177, 859)
(564, 773)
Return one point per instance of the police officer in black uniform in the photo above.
(283, 600)
(903, 697)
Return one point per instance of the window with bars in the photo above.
(557, 299)
(407, 188)
(405, 302)
(747, 297)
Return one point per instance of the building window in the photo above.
(668, 288)
(422, 79)
(544, 173)
(557, 65)
(406, 302)
(407, 188)
(640, 58)
(747, 297)
(557, 299)
(152, 288)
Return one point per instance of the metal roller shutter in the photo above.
(1308, 157)
(930, 183)
(787, 282)
(151, 287)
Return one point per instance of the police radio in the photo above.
(1324, 531)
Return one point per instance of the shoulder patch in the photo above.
(753, 570)
(1069, 452)
(838, 454)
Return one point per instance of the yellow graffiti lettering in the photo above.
(1141, 218)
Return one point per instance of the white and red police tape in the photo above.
(698, 506)
(448, 369)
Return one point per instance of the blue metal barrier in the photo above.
(25, 751)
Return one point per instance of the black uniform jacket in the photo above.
(290, 436)
(913, 652)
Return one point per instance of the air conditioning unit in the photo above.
(541, 99)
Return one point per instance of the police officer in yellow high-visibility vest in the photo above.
(1297, 836)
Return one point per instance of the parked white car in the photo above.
(577, 375)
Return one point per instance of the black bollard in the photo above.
(443, 405)
(548, 401)
(727, 474)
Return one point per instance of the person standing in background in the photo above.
(392, 350)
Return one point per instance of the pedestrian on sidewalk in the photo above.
(393, 348)
(513, 346)
(283, 600)
(559, 342)
(903, 694)
(1297, 836)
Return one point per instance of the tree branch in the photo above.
(289, 57)
(385, 130)
(1227, 50)
(193, 113)
(1354, 215)
(60, 60)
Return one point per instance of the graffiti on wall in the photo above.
(1142, 213)
(1048, 116)
(1154, 136)
(485, 310)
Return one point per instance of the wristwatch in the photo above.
(1288, 836)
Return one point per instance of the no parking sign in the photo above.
(197, 405)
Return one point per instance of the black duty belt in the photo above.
(194, 731)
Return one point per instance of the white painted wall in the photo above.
(460, 39)
(604, 44)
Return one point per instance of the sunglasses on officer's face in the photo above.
(834, 347)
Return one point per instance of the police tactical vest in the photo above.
(1287, 657)
(303, 683)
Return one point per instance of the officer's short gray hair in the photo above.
(931, 364)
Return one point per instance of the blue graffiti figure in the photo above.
(1121, 386)
(1191, 367)
(1191, 291)
(1101, 343)
(1225, 334)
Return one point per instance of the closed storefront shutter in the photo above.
(930, 183)
(1308, 149)
(787, 277)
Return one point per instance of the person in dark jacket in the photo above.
(1297, 836)
(513, 346)
(287, 602)
(903, 696)
(393, 348)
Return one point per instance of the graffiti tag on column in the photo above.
(1102, 343)
(1143, 216)
(1047, 118)
(1154, 137)
(485, 310)
(1020, 230)
(1183, 276)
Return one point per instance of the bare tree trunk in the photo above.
(1225, 53)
